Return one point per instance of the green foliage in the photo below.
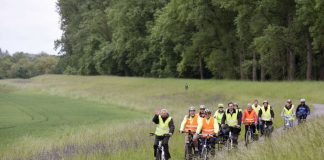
(193, 39)
(24, 65)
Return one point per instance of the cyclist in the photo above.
(250, 118)
(164, 126)
(190, 123)
(208, 125)
(266, 115)
(201, 111)
(233, 119)
(219, 113)
(236, 106)
(302, 111)
(256, 107)
(288, 111)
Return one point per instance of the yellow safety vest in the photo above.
(256, 108)
(231, 120)
(163, 127)
(266, 115)
(289, 112)
(219, 116)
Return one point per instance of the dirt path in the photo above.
(317, 111)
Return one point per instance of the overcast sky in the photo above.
(29, 25)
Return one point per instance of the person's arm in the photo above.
(224, 118)
(216, 126)
(199, 127)
(239, 118)
(183, 123)
(255, 117)
(308, 109)
(282, 112)
(272, 113)
(260, 113)
(171, 126)
(243, 117)
(156, 119)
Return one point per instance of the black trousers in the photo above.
(165, 144)
(268, 123)
(253, 128)
(235, 133)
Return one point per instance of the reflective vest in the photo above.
(249, 116)
(208, 128)
(289, 112)
(266, 115)
(191, 124)
(256, 108)
(219, 116)
(231, 120)
(163, 127)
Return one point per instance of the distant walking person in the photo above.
(302, 111)
(165, 126)
(186, 86)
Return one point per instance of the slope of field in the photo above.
(134, 95)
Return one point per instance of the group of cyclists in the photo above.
(201, 124)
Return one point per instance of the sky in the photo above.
(29, 26)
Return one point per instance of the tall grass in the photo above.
(305, 141)
(147, 95)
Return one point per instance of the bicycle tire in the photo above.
(204, 153)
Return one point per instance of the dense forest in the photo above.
(25, 65)
(222, 39)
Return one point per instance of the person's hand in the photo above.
(271, 119)
(215, 134)
(238, 126)
(223, 125)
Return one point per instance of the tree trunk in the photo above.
(254, 69)
(241, 65)
(201, 70)
(291, 65)
(262, 76)
(309, 58)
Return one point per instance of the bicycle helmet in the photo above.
(220, 105)
(192, 108)
(208, 111)
(302, 100)
(202, 106)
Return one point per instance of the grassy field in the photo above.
(81, 111)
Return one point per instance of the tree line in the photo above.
(24, 65)
(222, 39)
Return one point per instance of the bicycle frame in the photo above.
(206, 147)
(288, 123)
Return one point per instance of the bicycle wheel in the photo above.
(188, 151)
(158, 155)
(204, 153)
(248, 137)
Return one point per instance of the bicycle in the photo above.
(248, 135)
(288, 123)
(160, 153)
(189, 146)
(206, 146)
(267, 130)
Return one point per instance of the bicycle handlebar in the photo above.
(167, 134)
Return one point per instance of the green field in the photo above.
(108, 117)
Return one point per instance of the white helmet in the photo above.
(302, 100)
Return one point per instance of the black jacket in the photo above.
(171, 124)
(306, 106)
(239, 117)
(266, 108)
